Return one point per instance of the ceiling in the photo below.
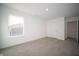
(54, 9)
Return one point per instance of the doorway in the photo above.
(72, 30)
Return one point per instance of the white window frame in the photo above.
(9, 25)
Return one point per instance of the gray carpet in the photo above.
(44, 47)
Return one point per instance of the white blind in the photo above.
(16, 25)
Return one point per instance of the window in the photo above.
(16, 25)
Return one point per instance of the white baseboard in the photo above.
(55, 38)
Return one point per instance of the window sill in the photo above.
(16, 36)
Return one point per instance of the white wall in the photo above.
(56, 28)
(34, 27)
(0, 26)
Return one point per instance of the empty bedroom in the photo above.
(39, 29)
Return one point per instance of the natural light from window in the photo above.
(15, 25)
